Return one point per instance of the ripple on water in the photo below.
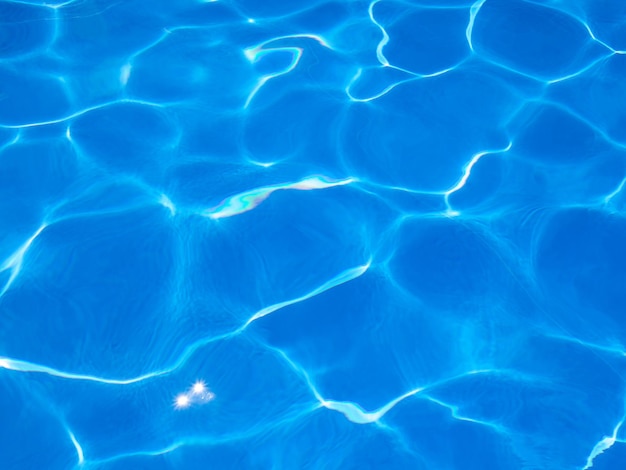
(24, 402)
(385, 234)
(572, 268)
(396, 139)
(324, 17)
(307, 138)
(31, 97)
(145, 412)
(130, 137)
(513, 404)
(24, 29)
(484, 191)
(273, 9)
(191, 65)
(598, 95)
(447, 263)
(607, 19)
(425, 423)
(101, 282)
(26, 196)
(366, 350)
(298, 238)
(57, 172)
(550, 135)
(554, 46)
(93, 32)
(426, 41)
(205, 14)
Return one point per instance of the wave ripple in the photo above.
(302, 235)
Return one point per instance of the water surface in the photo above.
(312, 235)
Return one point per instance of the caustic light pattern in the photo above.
(242, 234)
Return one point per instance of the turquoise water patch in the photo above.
(312, 235)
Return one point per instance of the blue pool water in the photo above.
(313, 234)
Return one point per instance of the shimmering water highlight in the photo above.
(312, 235)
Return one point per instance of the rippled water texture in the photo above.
(313, 234)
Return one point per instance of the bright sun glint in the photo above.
(198, 388)
(182, 401)
(197, 394)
